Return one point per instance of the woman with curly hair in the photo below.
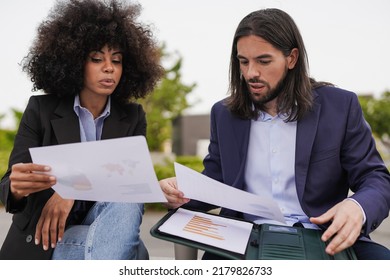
(92, 59)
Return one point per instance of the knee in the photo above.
(122, 212)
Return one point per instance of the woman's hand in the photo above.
(174, 196)
(51, 224)
(28, 178)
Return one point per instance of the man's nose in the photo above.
(253, 71)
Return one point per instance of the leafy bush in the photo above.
(6, 143)
(167, 170)
(4, 155)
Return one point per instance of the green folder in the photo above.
(266, 242)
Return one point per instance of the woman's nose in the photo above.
(108, 68)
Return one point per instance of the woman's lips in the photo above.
(107, 82)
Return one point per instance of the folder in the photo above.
(265, 242)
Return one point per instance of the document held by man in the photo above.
(197, 186)
(114, 170)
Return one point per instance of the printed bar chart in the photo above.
(213, 230)
(205, 227)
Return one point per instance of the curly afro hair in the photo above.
(73, 29)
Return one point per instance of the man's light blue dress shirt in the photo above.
(270, 167)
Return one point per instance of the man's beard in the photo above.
(271, 95)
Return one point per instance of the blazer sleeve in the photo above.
(28, 135)
(368, 177)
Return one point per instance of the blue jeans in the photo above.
(110, 231)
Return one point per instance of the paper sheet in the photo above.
(228, 234)
(114, 170)
(197, 186)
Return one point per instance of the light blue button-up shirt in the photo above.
(270, 167)
(90, 128)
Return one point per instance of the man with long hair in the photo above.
(305, 144)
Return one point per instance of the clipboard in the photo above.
(266, 242)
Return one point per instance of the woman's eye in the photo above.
(95, 59)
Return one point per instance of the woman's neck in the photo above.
(95, 104)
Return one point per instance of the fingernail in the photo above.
(52, 178)
(46, 168)
(45, 247)
(36, 241)
(53, 245)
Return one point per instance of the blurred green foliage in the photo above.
(167, 170)
(7, 137)
(377, 113)
(166, 102)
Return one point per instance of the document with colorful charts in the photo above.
(213, 230)
(117, 170)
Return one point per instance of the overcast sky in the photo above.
(347, 42)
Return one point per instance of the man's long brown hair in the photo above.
(280, 30)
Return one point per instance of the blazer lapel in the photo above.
(66, 125)
(306, 131)
(241, 129)
(114, 127)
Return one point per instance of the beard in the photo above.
(272, 92)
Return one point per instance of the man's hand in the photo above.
(172, 194)
(51, 224)
(347, 223)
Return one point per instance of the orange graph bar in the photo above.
(204, 227)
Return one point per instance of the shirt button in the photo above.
(29, 238)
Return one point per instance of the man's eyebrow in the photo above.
(258, 57)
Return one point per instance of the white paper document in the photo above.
(197, 186)
(228, 234)
(114, 170)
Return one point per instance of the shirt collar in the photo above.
(265, 117)
(77, 107)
